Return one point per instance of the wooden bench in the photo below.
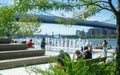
(87, 62)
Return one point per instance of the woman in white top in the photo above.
(105, 47)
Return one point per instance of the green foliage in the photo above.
(82, 15)
(85, 9)
(9, 25)
(7, 21)
(79, 68)
(25, 5)
(65, 21)
(28, 24)
(27, 28)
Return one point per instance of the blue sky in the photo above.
(104, 16)
(6, 2)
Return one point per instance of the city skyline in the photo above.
(60, 29)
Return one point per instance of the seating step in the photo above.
(30, 52)
(5, 40)
(13, 46)
(25, 61)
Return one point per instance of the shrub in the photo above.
(79, 68)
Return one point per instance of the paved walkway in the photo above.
(26, 71)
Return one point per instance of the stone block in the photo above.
(5, 40)
(21, 53)
(13, 46)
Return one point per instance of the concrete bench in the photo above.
(25, 61)
(5, 40)
(95, 61)
(21, 53)
(13, 46)
(87, 62)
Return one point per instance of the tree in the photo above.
(86, 8)
(9, 25)
(28, 24)
(7, 21)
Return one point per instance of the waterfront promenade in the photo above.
(25, 71)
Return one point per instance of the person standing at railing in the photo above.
(104, 44)
(43, 43)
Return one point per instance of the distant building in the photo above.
(99, 31)
(78, 32)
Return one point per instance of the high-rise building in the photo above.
(99, 31)
(78, 32)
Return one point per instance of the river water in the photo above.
(72, 49)
(111, 42)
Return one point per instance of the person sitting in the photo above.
(96, 46)
(30, 44)
(23, 42)
(15, 41)
(82, 48)
(90, 49)
(79, 55)
(63, 56)
(87, 53)
(109, 47)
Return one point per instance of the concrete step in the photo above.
(13, 46)
(25, 61)
(30, 52)
(5, 40)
